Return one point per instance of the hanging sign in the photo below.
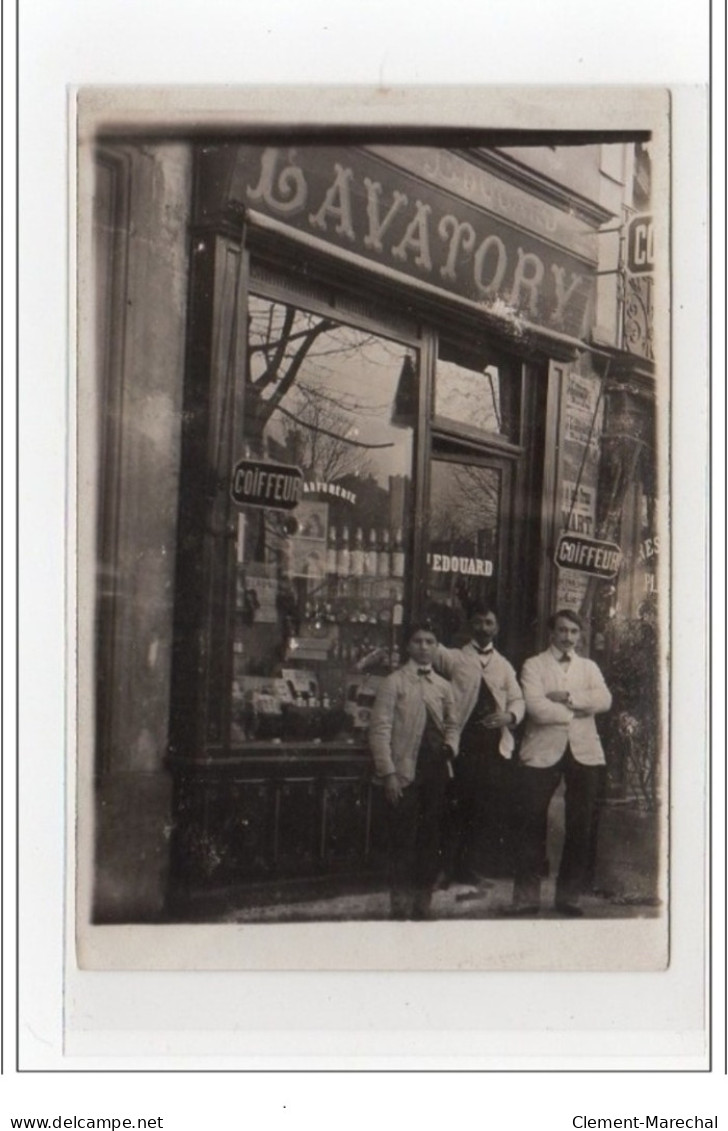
(257, 483)
(640, 245)
(586, 555)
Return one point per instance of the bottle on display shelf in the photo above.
(331, 551)
(383, 558)
(398, 555)
(371, 561)
(343, 555)
(356, 566)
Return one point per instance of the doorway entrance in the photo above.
(471, 506)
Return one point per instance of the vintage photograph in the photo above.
(374, 445)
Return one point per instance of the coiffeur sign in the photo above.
(354, 200)
(257, 483)
(586, 555)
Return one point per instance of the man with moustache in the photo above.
(489, 704)
(563, 692)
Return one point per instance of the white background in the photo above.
(385, 44)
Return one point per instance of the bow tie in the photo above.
(424, 671)
(564, 658)
(484, 651)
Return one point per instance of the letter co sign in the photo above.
(260, 484)
(585, 555)
(640, 245)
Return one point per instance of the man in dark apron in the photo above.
(489, 704)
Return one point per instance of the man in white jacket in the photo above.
(563, 693)
(413, 737)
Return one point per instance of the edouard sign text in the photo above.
(586, 555)
(257, 483)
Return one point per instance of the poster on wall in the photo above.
(583, 413)
(308, 545)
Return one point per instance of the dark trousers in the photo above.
(414, 825)
(478, 823)
(535, 786)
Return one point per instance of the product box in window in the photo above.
(302, 684)
(308, 713)
(263, 700)
(361, 691)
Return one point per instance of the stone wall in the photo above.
(139, 424)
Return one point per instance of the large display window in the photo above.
(320, 589)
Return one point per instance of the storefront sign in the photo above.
(582, 415)
(319, 487)
(454, 563)
(484, 188)
(352, 199)
(638, 308)
(640, 245)
(585, 555)
(649, 548)
(257, 483)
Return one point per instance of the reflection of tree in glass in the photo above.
(469, 396)
(295, 369)
(278, 344)
(317, 435)
(465, 504)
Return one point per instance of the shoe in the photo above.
(571, 909)
(520, 911)
(400, 907)
(422, 909)
(467, 877)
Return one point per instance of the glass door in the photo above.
(468, 550)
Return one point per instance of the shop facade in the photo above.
(380, 382)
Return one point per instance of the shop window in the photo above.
(478, 394)
(320, 589)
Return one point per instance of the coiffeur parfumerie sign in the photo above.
(356, 201)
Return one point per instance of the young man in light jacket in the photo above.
(413, 736)
(563, 693)
(489, 704)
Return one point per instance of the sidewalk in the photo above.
(487, 901)
(626, 884)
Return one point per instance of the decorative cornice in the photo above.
(508, 169)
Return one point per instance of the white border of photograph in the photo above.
(193, 1021)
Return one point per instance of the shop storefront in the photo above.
(340, 387)
(391, 409)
